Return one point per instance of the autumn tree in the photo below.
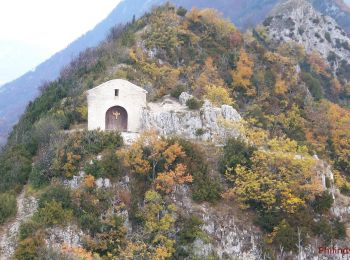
(150, 153)
(218, 95)
(241, 76)
(280, 86)
(280, 177)
(336, 87)
(208, 76)
(159, 225)
(167, 181)
(318, 64)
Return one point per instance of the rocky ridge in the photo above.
(173, 117)
(298, 21)
(337, 9)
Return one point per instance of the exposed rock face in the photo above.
(337, 9)
(298, 21)
(8, 235)
(231, 235)
(58, 236)
(170, 117)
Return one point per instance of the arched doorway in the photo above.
(117, 119)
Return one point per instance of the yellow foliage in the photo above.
(71, 165)
(209, 76)
(281, 176)
(280, 86)
(78, 253)
(211, 18)
(83, 111)
(218, 95)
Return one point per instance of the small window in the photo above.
(116, 92)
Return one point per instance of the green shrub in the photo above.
(93, 168)
(29, 248)
(57, 193)
(38, 178)
(94, 142)
(329, 230)
(236, 151)
(52, 213)
(89, 222)
(15, 167)
(285, 235)
(28, 229)
(322, 202)
(204, 187)
(110, 164)
(176, 92)
(194, 104)
(327, 35)
(181, 11)
(8, 206)
(313, 84)
(328, 183)
(191, 231)
(345, 190)
(200, 132)
(42, 171)
(268, 220)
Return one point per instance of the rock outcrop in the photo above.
(298, 21)
(337, 9)
(171, 117)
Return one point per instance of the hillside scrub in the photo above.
(293, 108)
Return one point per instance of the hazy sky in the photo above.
(33, 30)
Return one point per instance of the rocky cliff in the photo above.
(339, 10)
(172, 117)
(298, 21)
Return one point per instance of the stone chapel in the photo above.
(116, 105)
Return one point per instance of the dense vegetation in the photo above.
(293, 104)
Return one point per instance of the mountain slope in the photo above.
(146, 199)
(337, 9)
(297, 20)
(14, 96)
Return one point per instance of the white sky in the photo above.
(33, 30)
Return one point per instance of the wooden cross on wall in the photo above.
(116, 114)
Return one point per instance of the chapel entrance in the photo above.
(117, 119)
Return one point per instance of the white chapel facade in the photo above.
(116, 105)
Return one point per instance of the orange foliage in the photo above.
(209, 76)
(89, 181)
(318, 64)
(243, 73)
(167, 181)
(77, 252)
(280, 86)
